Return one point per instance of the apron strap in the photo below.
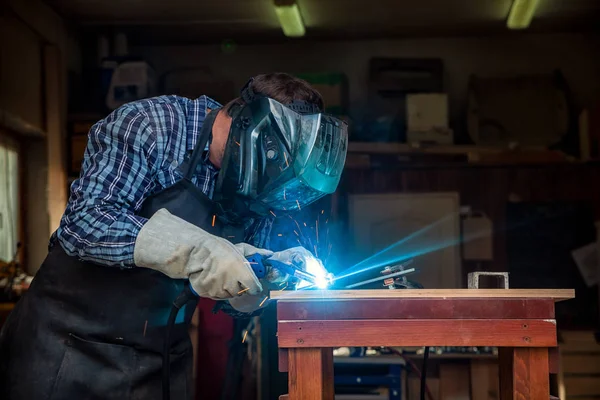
(203, 139)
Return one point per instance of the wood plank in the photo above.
(411, 308)
(311, 374)
(524, 374)
(581, 363)
(415, 332)
(556, 294)
(582, 386)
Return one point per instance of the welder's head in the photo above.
(282, 152)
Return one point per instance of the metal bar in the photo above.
(381, 278)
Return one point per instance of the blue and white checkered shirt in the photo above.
(133, 153)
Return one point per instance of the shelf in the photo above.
(370, 360)
(368, 155)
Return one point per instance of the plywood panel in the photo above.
(420, 225)
(557, 294)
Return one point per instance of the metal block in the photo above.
(473, 278)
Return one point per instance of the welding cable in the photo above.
(417, 370)
(186, 295)
(424, 373)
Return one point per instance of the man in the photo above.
(172, 192)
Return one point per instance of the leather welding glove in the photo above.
(215, 267)
(274, 280)
(249, 302)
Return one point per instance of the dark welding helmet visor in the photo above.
(279, 159)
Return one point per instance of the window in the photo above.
(9, 194)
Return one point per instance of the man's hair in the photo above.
(284, 88)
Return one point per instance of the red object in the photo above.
(214, 334)
(523, 327)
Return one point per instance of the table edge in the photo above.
(326, 295)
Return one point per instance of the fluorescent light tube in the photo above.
(290, 19)
(521, 13)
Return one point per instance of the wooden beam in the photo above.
(311, 374)
(410, 308)
(524, 374)
(555, 294)
(418, 332)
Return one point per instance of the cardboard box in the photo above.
(426, 112)
(427, 118)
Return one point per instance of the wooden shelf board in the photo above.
(363, 154)
(556, 294)
(402, 148)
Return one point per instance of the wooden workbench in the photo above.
(518, 321)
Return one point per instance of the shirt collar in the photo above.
(196, 113)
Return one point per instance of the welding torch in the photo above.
(262, 266)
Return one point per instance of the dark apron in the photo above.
(86, 331)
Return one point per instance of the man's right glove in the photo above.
(276, 279)
(216, 268)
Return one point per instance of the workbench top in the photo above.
(555, 294)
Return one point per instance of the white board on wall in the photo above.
(426, 225)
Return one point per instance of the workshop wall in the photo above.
(490, 190)
(21, 81)
(578, 56)
(27, 29)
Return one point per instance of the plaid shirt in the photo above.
(133, 153)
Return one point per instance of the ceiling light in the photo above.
(289, 17)
(521, 13)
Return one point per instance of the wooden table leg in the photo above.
(524, 373)
(310, 374)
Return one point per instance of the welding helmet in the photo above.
(279, 157)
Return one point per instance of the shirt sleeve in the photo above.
(99, 223)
